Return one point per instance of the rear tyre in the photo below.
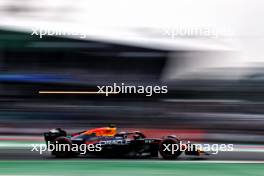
(169, 148)
(63, 148)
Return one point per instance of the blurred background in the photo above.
(209, 53)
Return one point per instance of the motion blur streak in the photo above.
(215, 81)
(72, 92)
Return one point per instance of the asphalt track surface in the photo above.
(27, 154)
(21, 162)
(127, 167)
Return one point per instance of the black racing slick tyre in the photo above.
(169, 148)
(62, 147)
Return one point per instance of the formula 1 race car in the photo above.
(106, 142)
